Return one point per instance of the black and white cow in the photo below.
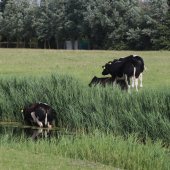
(39, 114)
(120, 70)
(108, 81)
(126, 68)
(138, 63)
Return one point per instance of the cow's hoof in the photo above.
(49, 126)
(40, 124)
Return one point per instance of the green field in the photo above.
(81, 64)
(61, 79)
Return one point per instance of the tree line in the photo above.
(101, 24)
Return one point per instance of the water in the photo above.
(16, 130)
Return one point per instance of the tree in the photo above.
(28, 27)
(2, 5)
(73, 21)
(161, 40)
(43, 24)
(13, 20)
(108, 22)
(129, 17)
(58, 16)
(98, 20)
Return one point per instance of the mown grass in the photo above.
(18, 159)
(116, 152)
(81, 64)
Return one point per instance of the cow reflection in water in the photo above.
(39, 133)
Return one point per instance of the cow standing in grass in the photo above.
(108, 81)
(39, 114)
(126, 68)
(138, 63)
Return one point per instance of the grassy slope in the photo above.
(106, 149)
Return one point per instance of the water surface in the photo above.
(14, 129)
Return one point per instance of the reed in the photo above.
(81, 107)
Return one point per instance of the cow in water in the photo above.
(39, 114)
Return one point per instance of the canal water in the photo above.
(16, 130)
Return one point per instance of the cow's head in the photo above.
(93, 81)
(106, 69)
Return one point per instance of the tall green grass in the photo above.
(97, 147)
(78, 107)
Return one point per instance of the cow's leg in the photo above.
(136, 84)
(114, 80)
(36, 133)
(127, 80)
(140, 78)
(33, 116)
(46, 119)
(49, 126)
(133, 82)
(133, 77)
(35, 119)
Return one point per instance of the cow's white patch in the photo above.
(136, 83)
(39, 123)
(46, 119)
(133, 82)
(33, 116)
(35, 119)
(126, 80)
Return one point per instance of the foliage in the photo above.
(161, 39)
(14, 23)
(2, 5)
(118, 24)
